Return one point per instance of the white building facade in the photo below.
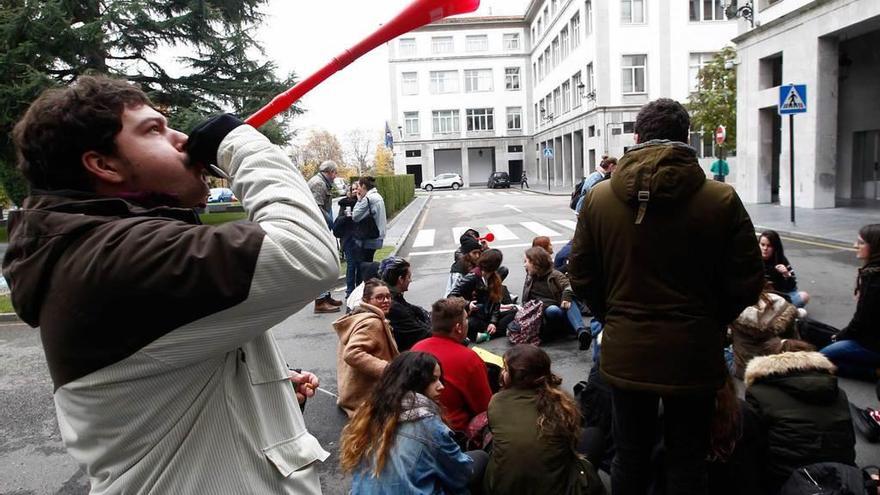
(832, 46)
(585, 68)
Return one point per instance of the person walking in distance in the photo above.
(524, 181)
(321, 185)
(664, 327)
(157, 328)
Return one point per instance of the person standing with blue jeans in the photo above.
(552, 288)
(856, 348)
(321, 186)
(346, 233)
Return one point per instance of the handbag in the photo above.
(527, 324)
(366, 228)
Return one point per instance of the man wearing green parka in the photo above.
(665, 259)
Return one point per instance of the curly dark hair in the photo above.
(63, 123)
(663, 118)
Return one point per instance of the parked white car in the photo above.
(340, 185)
(443, 180)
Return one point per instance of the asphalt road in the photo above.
(33, 460)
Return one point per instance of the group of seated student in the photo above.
(483, 289)
(406, 437)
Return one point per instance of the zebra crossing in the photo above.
(480, 194)
(559, 231)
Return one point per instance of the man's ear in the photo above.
(102, 168)
(636, 137)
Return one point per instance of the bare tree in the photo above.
(321, 145)
(358, 149)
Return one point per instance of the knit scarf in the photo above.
(416, 406)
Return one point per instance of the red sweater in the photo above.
(466, 382)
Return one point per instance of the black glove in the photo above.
(204, 141)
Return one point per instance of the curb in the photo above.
(546, 193)
(408, 230)
(805, 237)
(10, 318)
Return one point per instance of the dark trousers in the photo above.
(352, 262)
(477, 324)
(363, 256)
(686, 424)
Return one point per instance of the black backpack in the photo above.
(829, 478)
(576, 194)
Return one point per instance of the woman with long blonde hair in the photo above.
(397, 441)
(536, 431)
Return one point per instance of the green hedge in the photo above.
(396, 190)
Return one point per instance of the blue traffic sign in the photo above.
(548, 152)
(792, 99)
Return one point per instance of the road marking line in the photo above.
(502, 233)
(508, 246)
(424, 238)
(569, 224)
(514, 208)
(539, 229)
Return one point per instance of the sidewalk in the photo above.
(541, 188)
(833, 225)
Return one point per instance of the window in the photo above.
(411, 123)
(563, 42)
(588, 17)
(591, 131)
(575, 30)
(629, 127)
(441, 44)
(444, 81)
(557, 101)
(511, 42)
(477, 43)
(548, 62)
(534, 73)
(477, 80)
(576, 83)
(511, 78)
(704, 143)
(632, 11)
(515, 148)
(514, 119)
(547, 17)
(555, 50)
(549, 107)
(633, 76)
(541, 67)
(591, 78)
(566, 96)
(697, 62)
(480, 119)
(533, 35)
(409, 83)
(554, 4)
(407, 47)
(445, 121)
(707, 10)
(540, 29)
(413, 153)
(536, 115)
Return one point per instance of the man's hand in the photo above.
(565, 305)
(304, 384)
(205, 139)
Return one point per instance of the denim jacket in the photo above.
(424, 459)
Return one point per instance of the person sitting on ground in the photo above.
(778, 270)
(397, 442)
(768, 327)
(467, 391)
(552, 288)
(366, 346)
(856, 348)
(409, 323)
(483, 289)
(466, 257)
(803, 413)
(536, 432)
(544, 242)
(603, 171)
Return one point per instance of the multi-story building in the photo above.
(832, 46)
(582, 70)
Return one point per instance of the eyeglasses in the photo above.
(382, 297)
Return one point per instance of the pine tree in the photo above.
(44, 43)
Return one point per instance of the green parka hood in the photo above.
(657, 172)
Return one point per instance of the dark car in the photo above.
(498, 179)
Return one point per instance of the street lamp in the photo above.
(590, 96)
(747, 11)
(400, 131)
(544, 115)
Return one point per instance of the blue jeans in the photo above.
(352, 261)
(853, 360)
(572, 316)
(596, 329)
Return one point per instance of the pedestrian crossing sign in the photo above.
(548, 152)
(792, 99)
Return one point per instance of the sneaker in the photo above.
(584, 339)
(323, 306)
(482, 337)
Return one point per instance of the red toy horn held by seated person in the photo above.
(488, 237)
(417, 14)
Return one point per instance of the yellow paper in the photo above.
(489, 357)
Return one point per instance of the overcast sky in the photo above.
(304, 35)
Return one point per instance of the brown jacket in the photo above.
(366, 346)
(760, 330)
(666, 259)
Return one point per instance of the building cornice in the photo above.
(769, 26)
(460, 58)
(485, 21)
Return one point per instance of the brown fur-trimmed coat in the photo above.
(761, 330)
(804, 417)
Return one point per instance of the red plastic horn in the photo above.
(417, 14)
(488, 237)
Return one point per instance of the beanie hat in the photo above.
(468, 244)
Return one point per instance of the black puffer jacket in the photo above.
(471, 287)
(864, 327)
(804, 416)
